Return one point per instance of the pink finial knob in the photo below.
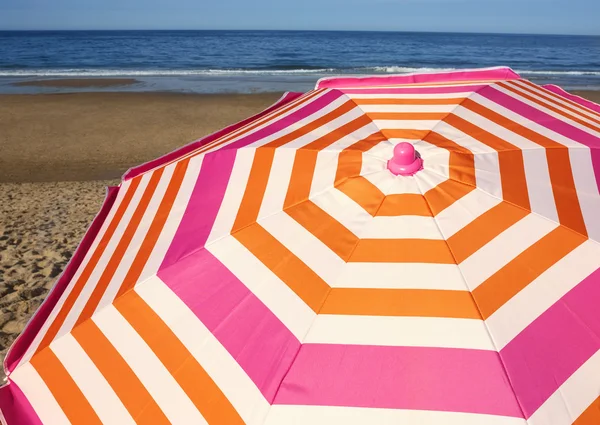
(405, 161)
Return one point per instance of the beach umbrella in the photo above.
(417, 249)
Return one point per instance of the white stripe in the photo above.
(464, 211)
(555, 105)
(408, 95)
(161, 385)
(533, 300)
(400, 331)
(504, 248)
(513, 116)
(330, 107)
(38, 395)
(377, 173)
(343, 209)
(278, 183)
(534, 161)
(558, 99)
(573, 397)
(407, 184)
(427, 180)
(40, 335)
(416, 108)
(91, 283)
(334, 415)
(434, 158)
(487, 166)
(262, 282)
(175, 216)
(268, 121)
(233, 194)
(548, 111)
(325, 170)
(401, 275)
(136, 242)
(325, 129)
(91, 382)
(231, 379)
(354, 137)
(401, 227)
(587, 190)
(405, 124)
(304, 245)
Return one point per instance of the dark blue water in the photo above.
(209, 61)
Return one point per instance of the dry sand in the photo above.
(57, 152)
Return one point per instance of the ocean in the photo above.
(262, 61)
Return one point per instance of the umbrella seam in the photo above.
(504, 369)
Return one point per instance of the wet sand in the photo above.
(78, 82)
(59, 152)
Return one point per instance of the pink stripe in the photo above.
(541, 358)
(416, 90)
(314, 105)
(248, 330)
(15, 407)
(203, 206)
(22, 343)
(550, 122)
(577, 99)
(135, 171)
(467, 75)
(421, 378)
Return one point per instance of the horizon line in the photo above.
(292, 30)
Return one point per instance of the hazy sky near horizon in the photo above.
(510, 16)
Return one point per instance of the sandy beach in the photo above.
(60, 151)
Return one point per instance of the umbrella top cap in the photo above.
(406, 161)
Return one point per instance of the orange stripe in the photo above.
(401, 302)
(305, 160)
(559, 166)
(512, 168)
(483, 229)
(181, 364)
(255, 190)
(350, 158)
(253, 125)
(559, 101)
(248, 127)
(283, 263)
(527, 266)
(550, 107)
(313, 125)
(155, 229)
(89, 267)
(407, 101)
(434, 251)
(400, 133)
(66, 392)
(124, 382)
(119, 252)
(349, 165)
(363, 192)
(404, 204)
(559, 98)
(445, 194)
(263, 160)
(591, 415)
(408, 116)
(462, 160)
(327, 229)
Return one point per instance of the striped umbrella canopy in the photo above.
(308, 266)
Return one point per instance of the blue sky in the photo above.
(512, 16)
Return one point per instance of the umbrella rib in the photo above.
(504, 368)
